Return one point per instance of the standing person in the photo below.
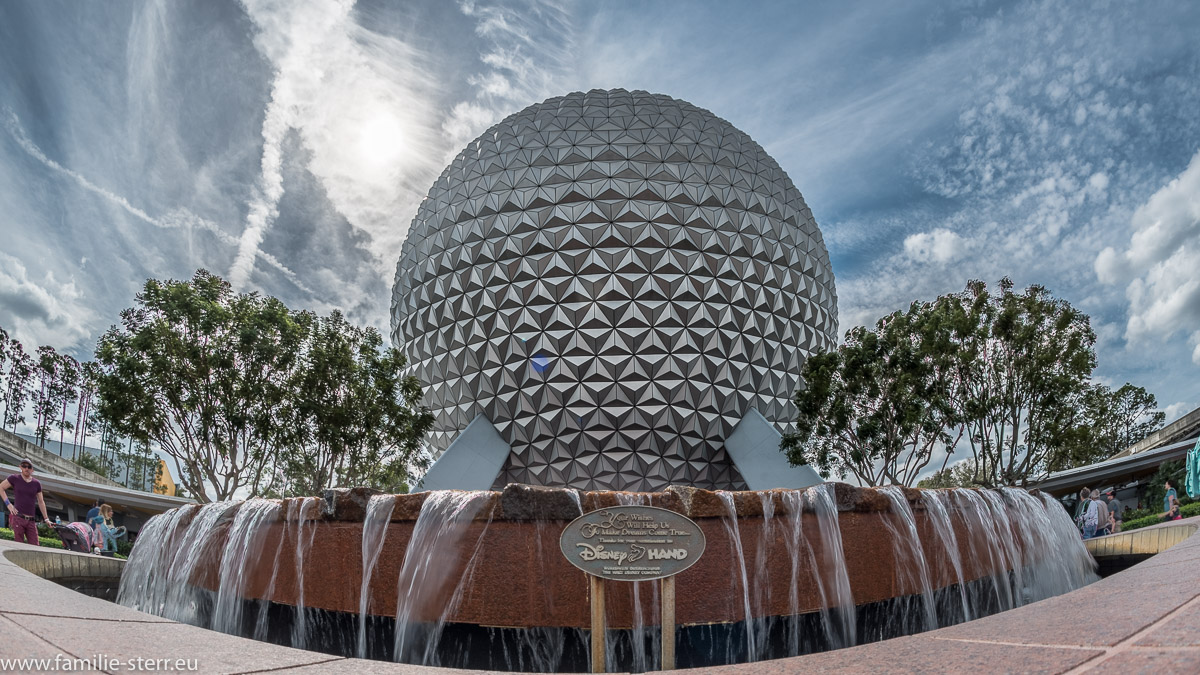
(94, 511)
(1081, 507)
(1088, 514)
(1170, 502)
(108, 530)
(22, 508)
(1101, 514)
(1114, 510)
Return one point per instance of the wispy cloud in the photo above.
(42, 312)
(1162, 265)
(179, 219)
(525, 57)
(362, 104)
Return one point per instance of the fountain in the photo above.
(475, 579)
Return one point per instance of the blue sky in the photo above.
(286, 145)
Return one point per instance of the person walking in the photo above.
(1170, 503)
(1114, 510)
(1101, 514)
(26, 500)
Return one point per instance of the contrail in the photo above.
(179, 219)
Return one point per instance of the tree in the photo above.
(356, 417)
(960, 474)
(224, 384)
(877, 406)
(1023, 362)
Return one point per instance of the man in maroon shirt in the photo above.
(27, 494)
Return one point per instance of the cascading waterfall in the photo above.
(644, 649)
(243, 541)
(375, 526)
(910, 553)
(302, 514)
(166, 590)
(838, 616)
(939, 517)
(437, 535)
(730, 521)
(963, 554)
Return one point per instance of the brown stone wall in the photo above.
(520, 578)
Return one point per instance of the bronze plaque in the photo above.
(632, 543)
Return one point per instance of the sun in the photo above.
(382, 140)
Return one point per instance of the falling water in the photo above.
(838, 616)
(730, 521)
(375, 526)
(1019, 547)
(910, 554)
(243, 542)
(641, 636)
(302, 513)
(943, 528)
(161, 568)
(977, 515)
(437, 534)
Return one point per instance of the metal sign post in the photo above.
(632, 543)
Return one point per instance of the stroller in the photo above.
(78, 537)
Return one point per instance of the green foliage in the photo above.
(18, 377)
(877, 406)
(246, 395)
(99, 464)
(1114, 420)
(1006, 373)
(1186, 511)
(48, 542)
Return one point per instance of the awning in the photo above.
(83, 492)
(1114, 471)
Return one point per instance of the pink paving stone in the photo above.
(1152, 661)
(922, 654)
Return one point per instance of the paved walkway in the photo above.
(1145, 619)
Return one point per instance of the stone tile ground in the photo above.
(1145, 619)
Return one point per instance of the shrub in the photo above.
(7, 534)
(1187, 511)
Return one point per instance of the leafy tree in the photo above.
(247, 396)
(1112, 420)
(99, 464)
(356, 418)
(960, 474)
(45, 405)
(1022, 367)
(878, 406)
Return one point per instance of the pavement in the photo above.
(1143, 620)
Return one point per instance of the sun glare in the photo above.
(381, 140)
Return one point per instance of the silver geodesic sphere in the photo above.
(614, 279)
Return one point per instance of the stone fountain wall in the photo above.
(516, 577)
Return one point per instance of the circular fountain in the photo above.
(476, 580)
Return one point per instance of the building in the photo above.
(1127, 471)
(613, 290)
(69, 490)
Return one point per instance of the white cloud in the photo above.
(940, 245)
(179, 219)
(42, 312)
(1162, 262)
(363, 104)
(1177, 410)
(525, 58)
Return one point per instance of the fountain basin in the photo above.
(855, 564)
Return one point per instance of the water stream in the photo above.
(375, 527)
(959, 554)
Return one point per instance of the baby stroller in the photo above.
(76, 537)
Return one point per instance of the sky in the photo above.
(286, 144)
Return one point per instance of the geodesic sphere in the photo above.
(614, 279)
